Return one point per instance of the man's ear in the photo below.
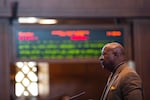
(115, 54)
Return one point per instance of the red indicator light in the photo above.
(76, 38)
(27, 36)
(70, 33)
(73, 34)
(113, 33)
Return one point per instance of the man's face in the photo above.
(107, 59)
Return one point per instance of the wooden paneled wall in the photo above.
(73, 78)
(142, 49)
(4, 59)
(84, 8)
(77, 8)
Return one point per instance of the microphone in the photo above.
(77, 95)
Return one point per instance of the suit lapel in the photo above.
(109, 85)
(104, 91)
(111, 80)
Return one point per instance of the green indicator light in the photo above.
(20, 47)
(34, 47)
(51, 46)
(34, 57)
(70, 56)
(23, 57)
(35, 52)
(41, 46)
(59, 56)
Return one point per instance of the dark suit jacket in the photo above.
(124, 84)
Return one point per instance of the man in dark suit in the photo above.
(123, 83)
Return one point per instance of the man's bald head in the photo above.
(112, 55)
(116, 48)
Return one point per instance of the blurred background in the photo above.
(49, 49)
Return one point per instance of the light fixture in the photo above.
(19, 64)
(19, 77)
(33, 89)
(47, 21)
(25, 69)
(29, 20)
(19, 89)
(35, 20)
(26, 82)
(26, 79)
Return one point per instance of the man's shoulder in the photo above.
(128, 71)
